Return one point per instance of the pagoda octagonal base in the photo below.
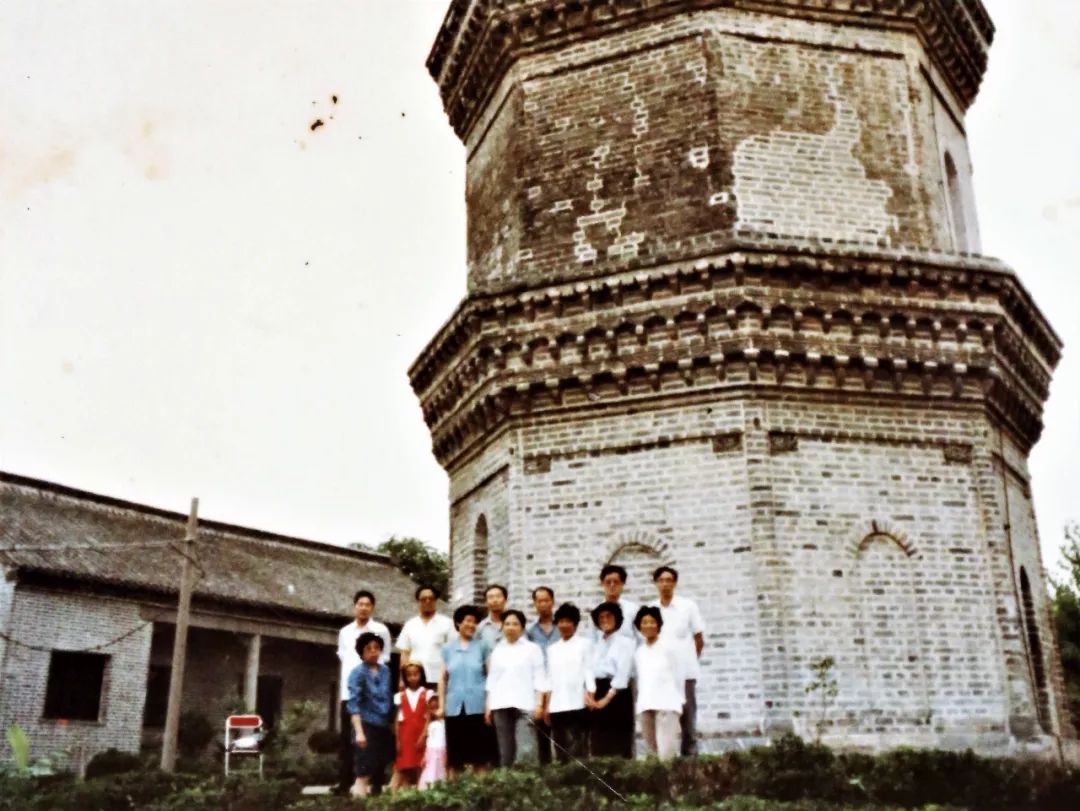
(871, 532)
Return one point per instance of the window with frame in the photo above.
(75, 685)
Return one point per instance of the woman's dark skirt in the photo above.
(372, 760)
(469, 741)
(612, 729)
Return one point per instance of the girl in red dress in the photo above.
(411, 727)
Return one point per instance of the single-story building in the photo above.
(88, 607)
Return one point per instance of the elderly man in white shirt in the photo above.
(516, 684)
(423, 636)
(684, 630)
(573, 687)
(363, 606)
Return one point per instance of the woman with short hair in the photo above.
(572, 686)
(470, 743)
(612, 721)
(660, 693)
(516, 684)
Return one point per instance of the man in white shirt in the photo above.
(613, 581)
(684, 630)
(423, 636)
(363, 606)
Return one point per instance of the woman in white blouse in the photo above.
(660, 691)
(611, 727)
(572, 686)
(516, 684)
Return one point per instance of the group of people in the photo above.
(489, 688)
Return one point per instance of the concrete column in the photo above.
(251, 672)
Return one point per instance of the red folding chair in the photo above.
(242, 739)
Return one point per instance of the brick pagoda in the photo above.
(726, 310)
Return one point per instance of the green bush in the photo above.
(309, 770)
(16, 790)
(235, 794)
(791, 775)
(504, 789)
(323, 742)
(792, 769)
(910, 778)
(194, 733)
(112, 761)
(121, 792)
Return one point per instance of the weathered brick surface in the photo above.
(83, 622)
(723, 314)
(66, 621)
(868, 549)
(726, 123)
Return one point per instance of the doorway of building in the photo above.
(268, 699)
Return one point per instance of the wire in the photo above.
(576, 760)
(102, 646)
(88, 547)
(190, 559)
(130, 632)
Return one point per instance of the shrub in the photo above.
(500, 790)
(318, 770)
(236, 794)
(791, 775)
(112, 761)
(792, 769)
(16, 791)
(121, 792)
(194, 734)
(288, 737)
(323, 742)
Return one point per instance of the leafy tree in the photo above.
(1066, 603)
(425, 565)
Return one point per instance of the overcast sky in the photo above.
(202, 295)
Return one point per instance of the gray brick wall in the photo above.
(66, 621)
(737, 124)
(803, 530)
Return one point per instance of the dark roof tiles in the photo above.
(56, 531)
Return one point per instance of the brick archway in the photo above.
(640, 558)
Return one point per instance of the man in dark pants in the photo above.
(363, 606)
(543, 632)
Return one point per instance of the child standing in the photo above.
(370, 707)
(435, 751)
(411, 723)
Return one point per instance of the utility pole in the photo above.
(183, 613)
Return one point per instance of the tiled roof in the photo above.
(47, 529)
